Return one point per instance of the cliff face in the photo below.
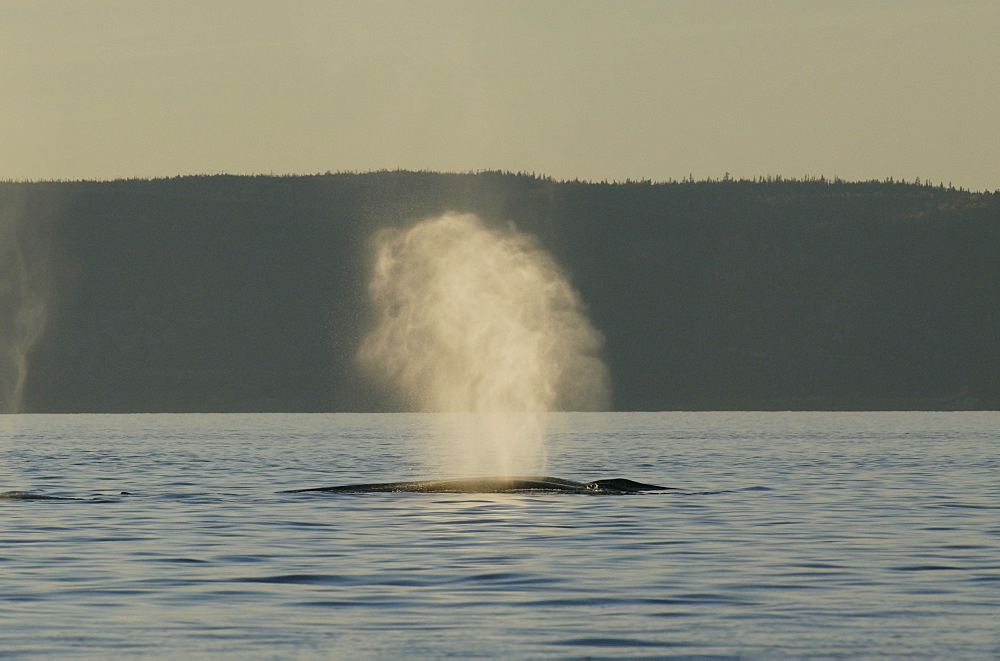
(249, 293)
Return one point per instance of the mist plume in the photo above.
(483, 324)
(23, 306)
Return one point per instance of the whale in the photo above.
(27, 495)
(528, 484)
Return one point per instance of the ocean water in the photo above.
(793, 535)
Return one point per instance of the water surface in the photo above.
(794, 535)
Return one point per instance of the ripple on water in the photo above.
(795, 536)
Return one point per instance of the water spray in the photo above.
(23, 305)
(481, 324)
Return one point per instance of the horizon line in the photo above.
(725, 179)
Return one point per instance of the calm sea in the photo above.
(794, 535)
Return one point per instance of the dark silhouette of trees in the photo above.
(232, 293)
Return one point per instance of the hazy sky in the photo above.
(589, 89)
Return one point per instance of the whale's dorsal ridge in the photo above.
(624, 484)
(531, 483)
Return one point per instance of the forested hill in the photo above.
(232, 293)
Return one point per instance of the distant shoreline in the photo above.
(248, 292)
